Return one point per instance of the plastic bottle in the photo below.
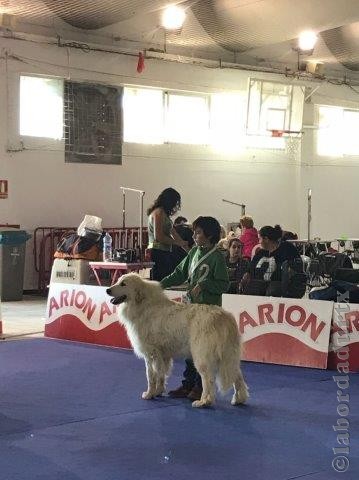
(107, 248)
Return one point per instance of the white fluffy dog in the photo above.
(160, 330)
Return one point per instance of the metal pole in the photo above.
(123, 208)
(243, 207)
(309, 211)
(142, 194)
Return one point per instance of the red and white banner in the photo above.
(282, 330)
(274, 330)
(344, 341)
(83, 313)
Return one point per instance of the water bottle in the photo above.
(107, 248)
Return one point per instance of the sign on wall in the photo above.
(4, 189)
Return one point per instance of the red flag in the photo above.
(141, 62)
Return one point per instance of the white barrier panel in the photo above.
(176, 295)
(344, 342)
(274, 330)
(83, 313)
(282, 330)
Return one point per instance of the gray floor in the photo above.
(25, 318)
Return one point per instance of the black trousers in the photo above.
(163, 264)
(191, 378)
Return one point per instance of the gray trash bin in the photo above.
(12, 263)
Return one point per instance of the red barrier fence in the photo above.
(47, 238)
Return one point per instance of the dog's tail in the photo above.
(229, 355)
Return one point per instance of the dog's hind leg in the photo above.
(240, 390)
(151, 380)
(208, 386)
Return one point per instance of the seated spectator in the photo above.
(274, 259)
(249, 237)
(236, 265)
(223, 242)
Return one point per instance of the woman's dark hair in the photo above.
(210, 226)
(169, 200)
(180, 220)
(289, 236)
(272, 233)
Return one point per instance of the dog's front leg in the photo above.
(161, 366)
(151, 381)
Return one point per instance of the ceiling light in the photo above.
(307, 40)
(173, 17)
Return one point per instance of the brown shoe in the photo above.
(180, 392)
(195, 393)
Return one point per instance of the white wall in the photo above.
(44, 191)
(334, 180)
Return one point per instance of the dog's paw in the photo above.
(201, 403)
(148, 395)
(239, 398)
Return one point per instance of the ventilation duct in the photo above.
(343, 42)
(93, 14)
(239, 25)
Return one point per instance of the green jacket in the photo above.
(211, 275)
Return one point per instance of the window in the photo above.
(153, 117)
(350, 132)
(41, 107)
(328, 135)
(143, 115)
(337, 134)
(227, 121)
(187, 119)
(273, 106)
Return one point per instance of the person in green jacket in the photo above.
(204, 268)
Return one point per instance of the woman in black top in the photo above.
(267, 263)
(273, 247)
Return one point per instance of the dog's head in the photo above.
(129, 288)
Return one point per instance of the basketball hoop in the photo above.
(292, 141)
(277, 133)
(285, 133)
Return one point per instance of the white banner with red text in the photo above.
(83, 313)
(274, 330)
(344, 341)
(282, 330)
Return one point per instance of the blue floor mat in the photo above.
(73, 411)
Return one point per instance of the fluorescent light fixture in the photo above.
(173, 17)
(307, 40)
